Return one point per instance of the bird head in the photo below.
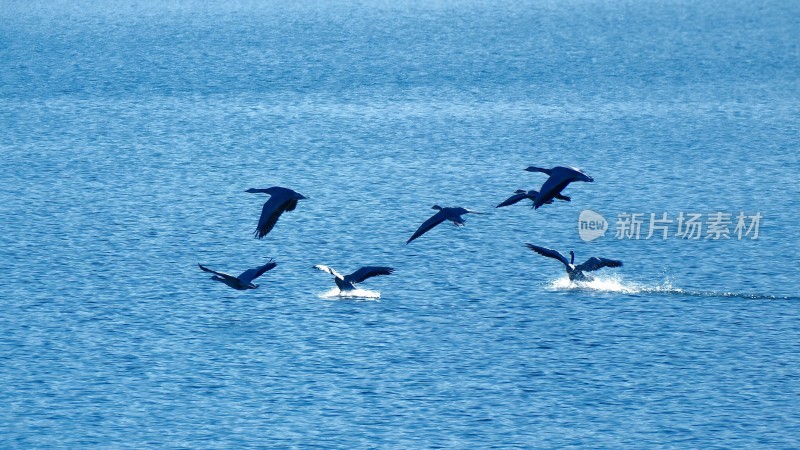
(436, 207)
(571, 257)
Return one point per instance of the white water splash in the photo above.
(615, 284)
(610, 283)
(364, 294)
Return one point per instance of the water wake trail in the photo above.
(362, 294)
(617, 284)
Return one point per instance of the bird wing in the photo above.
(251, 274)
(537, 169)
(573, 173)
(436, 219)
(595, 263)
(544, 251)
(270, 213)
(330, 270)
(368, 272)
(462, 211)
(291, 204)
(221, 274)
(553, 186)
(513, 199)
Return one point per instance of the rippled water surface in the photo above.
(131, 131)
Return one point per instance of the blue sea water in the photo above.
(130, 131)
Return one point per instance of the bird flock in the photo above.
(282, 200)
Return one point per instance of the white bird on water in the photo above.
(451, 214)
(347, 282)
(243, 281)
(281, 199)
(559, 178)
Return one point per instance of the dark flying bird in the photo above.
(560, 177)
(451, 214)
(243, 281)
(348, 282)
(280, 200)
(520, 194)
(576, 273)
